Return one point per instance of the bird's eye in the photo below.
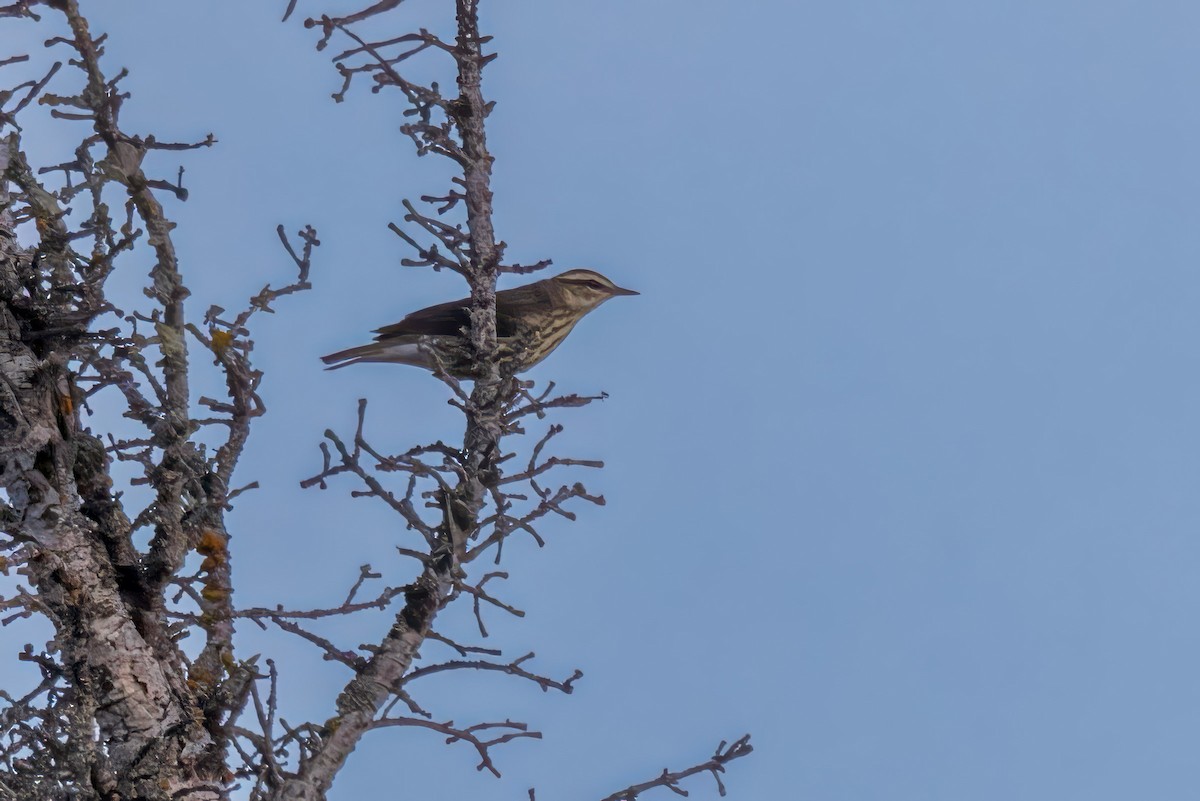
(595, 284)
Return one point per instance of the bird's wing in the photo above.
(444, 319)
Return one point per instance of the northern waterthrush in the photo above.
(531, 321)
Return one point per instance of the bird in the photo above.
(531, 321)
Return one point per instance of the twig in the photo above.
(670, 780)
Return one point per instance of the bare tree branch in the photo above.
(671, 779)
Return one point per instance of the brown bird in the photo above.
(531, 321)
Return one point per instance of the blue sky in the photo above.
(902, 436)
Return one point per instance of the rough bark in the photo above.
(126, 674)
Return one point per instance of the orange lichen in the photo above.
(212, 546)
(221, 340)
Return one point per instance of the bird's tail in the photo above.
(345, 358)
(391, 352)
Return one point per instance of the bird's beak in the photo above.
(616, 290)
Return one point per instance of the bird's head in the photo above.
(585, 289)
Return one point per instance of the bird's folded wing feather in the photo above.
(445, 319)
